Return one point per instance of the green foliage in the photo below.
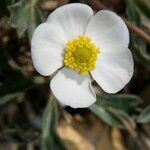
(131, 12)
(9, 96)
(143, 6)
(106, 115)
(18, 136)
(114, 110)
(50, 139)
(145, 115)
(117, 108)
(25, 16)
(138, 46)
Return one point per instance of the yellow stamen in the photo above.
(81, 54)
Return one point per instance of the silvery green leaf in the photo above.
(50, 139)
(25, 16)
(112, 108)
(120, 101)
(106, 115)
(145, 115)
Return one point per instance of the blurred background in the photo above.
(31, 120)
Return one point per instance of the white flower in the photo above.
(80, 43)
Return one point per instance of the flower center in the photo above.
(81, 54)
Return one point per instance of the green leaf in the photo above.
(4, 99)
(106, 115)
(50, 139)
(137, 44)
(142, 55)
(143, 6)
(145, 115)
(121, 101)
(124, 104)
(25, 16)
(132, 13)
(18, 136)
(113, 108)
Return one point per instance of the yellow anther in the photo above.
(81, 54)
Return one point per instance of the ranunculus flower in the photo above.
(82, 46)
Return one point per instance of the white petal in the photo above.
(114, 68)
(72, 88)
(71, 18)
(107, 28)
(47, 47)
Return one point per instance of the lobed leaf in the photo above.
(25, 16)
